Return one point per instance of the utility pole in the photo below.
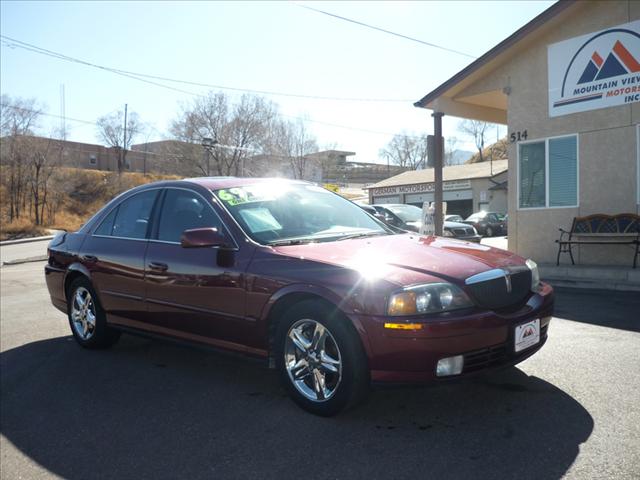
(123, 154)
(437, 169)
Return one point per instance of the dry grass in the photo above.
(78, 194)
(21, 228)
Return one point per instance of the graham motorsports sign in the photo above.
(597, 70)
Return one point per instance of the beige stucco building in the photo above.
(567, 85)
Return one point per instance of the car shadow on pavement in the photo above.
(605, 308)
(149, 409)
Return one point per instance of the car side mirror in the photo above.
(203, 237)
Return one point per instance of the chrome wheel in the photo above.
(83, 313)
(312, 359)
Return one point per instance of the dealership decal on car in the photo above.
(597, 70)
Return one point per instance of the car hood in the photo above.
(406, 259)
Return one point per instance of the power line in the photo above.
(88, 122)
(60, 56)
(362, 24)
(127, 73)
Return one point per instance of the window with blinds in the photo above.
(532, 175)
(563, 172)
(548, 173)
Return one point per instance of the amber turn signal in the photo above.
(403, 326)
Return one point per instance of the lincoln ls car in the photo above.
(296, 275)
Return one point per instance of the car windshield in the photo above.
(453, 218)
(406, 213)
(500, 217)
(290, 213)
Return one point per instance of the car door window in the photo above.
(132, 216)
(492, 217)
(184, 210)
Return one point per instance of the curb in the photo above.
(26, 240)
(20, 261)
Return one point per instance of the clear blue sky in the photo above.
(274, 46)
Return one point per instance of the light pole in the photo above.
(208, 144)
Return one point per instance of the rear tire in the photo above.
(320, 359)
(87, 319)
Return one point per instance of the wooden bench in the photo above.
(600, 229)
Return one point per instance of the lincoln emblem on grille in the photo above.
(507, 279)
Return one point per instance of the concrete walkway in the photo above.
(24, 251)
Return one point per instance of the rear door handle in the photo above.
(90, 258)
(158, 267)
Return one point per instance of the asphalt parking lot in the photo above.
(149, 409)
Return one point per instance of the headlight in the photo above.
(535, 275)
(430, 298)
(447, 233)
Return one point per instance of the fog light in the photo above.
(450, 366)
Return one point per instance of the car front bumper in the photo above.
(485, 339)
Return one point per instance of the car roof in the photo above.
(216, 183)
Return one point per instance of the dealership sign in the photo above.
(421, 187)
(597, 70)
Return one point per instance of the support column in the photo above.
(437, 169)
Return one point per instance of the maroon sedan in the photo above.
(297, 275)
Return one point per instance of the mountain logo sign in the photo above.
(597, 70)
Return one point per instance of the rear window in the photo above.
(131, 218)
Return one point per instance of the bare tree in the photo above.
(19, 118)
(450, 150)
(112, 132)
(406, 151)
(293, 141)
(44, 154)
(478, 131)
(239, 129)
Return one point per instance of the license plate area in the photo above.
(526, 335)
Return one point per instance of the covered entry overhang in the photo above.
(481, 90)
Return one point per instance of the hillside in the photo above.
(74, 195)
(498, 149)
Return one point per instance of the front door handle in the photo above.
(90, 258)
(158, 267)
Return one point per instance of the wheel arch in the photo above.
(75, 270)
(287, 298)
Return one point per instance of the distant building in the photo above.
(82, 155)
(467, 188)
(173, 157)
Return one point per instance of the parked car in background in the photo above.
(373, 212)
(409, 217)
(488, 224)
(300, 277)
(453, 218)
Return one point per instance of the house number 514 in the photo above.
(517, 136)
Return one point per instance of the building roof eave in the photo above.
(502, 47)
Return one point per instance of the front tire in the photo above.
(320, 359)
(87, 318)
(489, 232)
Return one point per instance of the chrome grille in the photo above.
(494, 292)
(462, 231)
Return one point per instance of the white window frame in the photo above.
(546, 173)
